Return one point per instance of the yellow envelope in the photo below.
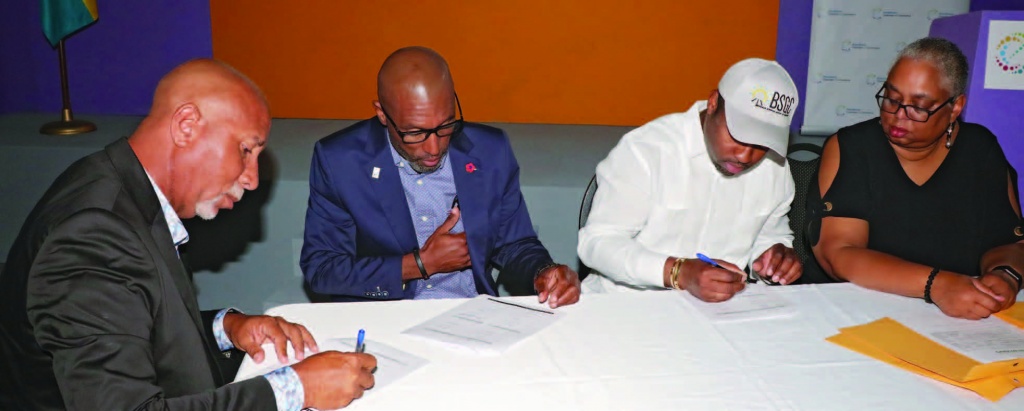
(1013, 315)
(991, 388)
(901, 342)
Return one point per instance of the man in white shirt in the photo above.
(694, 182)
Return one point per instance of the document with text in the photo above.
(755, 302)
(392, 364)
(485, 325)
(985, 341)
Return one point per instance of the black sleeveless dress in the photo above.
(948, 222)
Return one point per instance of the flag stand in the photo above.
(67, 125)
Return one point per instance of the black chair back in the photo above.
(804, 172)
(588, 200)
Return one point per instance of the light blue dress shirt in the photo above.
(430, 197)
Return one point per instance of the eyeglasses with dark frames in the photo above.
(419, 136)
(914, 113)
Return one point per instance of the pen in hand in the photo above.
(360, 346)
(715, 264)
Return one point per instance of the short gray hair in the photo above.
(946, 56)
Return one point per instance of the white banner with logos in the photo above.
(853, 44)
(1004, 67)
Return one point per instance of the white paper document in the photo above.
(392, 363)
(987, 340)
(755, 302)
(485, 325)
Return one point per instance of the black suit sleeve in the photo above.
(92, 294)
(227, 361)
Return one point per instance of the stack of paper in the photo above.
(392, 363)
(755, 302)
(485, 325)
(985, 356)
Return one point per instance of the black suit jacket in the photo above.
(97, 312)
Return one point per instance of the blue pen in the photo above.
(715, 264)
(360, 347)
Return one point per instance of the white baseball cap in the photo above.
(760, 99)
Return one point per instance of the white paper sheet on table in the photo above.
(755, 302)
(392, 363)
(485, 325)
(986, 340)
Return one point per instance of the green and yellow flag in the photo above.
(63, 17)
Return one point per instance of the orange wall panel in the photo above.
(527, 61)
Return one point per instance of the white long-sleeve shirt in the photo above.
(659, 195)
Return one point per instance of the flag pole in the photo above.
(67, 125)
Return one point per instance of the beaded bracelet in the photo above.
(928, 286)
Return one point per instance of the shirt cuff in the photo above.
(649, 268)
(223, 342)
(287, 388)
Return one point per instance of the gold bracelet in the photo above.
(673, 277)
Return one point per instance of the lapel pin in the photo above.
(470, 167)
(376, 173)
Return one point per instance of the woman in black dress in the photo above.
(917, 202)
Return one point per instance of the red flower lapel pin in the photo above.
(470, 167)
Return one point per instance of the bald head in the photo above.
(416, 102)
(414, 73)
(201, 138)
(204, 80)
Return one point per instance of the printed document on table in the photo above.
(985, 341)
(755, 302)
(392, 364)
(485, 325)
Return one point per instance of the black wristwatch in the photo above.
(1012, 273)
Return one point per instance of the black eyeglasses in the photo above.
(914, 113)
(419, 136)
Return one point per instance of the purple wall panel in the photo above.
(113, 65)
(793, 47)
(999, 110)
(978, 5)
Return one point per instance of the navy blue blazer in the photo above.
(358, 225)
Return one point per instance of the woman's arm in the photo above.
(842, 252)
(1007, 255)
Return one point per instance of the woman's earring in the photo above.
(949, 136)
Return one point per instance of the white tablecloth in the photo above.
(653, 351)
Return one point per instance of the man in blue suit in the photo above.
(415, 203)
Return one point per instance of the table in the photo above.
(653, 351)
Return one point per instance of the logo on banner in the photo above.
(936, 14)
(842, 111)
(825, 11)
(778, 103)
(873, 79)
(879, 13)
(820, 77)
(1009, 53)
(849, 45)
